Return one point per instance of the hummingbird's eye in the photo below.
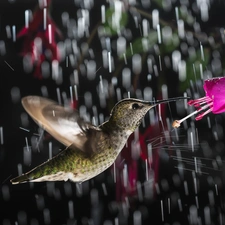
(135, 106)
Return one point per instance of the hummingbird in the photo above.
(90, 149)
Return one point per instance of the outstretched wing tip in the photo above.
(64, 124)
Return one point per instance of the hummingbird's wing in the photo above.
(62, 123)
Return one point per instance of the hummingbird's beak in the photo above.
(157, 102)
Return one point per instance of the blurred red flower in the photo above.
(137, 150)
(39, 37)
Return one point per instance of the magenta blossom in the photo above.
(214, 100)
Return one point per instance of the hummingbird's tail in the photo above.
(54, 169)
(20, 179)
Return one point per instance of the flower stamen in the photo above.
(176, 123)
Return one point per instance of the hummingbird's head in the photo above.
(128, 113)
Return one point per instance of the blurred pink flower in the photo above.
(41, 29)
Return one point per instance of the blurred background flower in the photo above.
(38, 39)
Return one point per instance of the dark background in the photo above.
(48, 203)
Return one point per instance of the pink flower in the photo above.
(214, 100)
(41, 29)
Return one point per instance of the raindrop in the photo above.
(14, 33)
(137, 218)
(159, 34)
(207, 215)
(76, 77)
(150, 65)
(45, 69)
(207, 151)
(107, 222)
(180, 27)
(164, 91)
(148, 188)
(125, 176)
(105, 59)
(167, 35)
(162, 211)
(65, 18)
(177, 13)
(211, 198)
(165, 185)
(186, 188)
(176, 58)
(22, 218)
(50, 188)
(121, 46)
(155, 18)
(182, 70)
(19, 168)
(195, 185)
(94, 197)
(147, 94)
(46, 214)
(204, 10)
(146, 3)
(126, 78)
(216, 66)
(169, 205)
(8, 31)
(202, 53)
(40, 201)
(118, 94)
(190, 38)
(27, 155)
(15, 94)
(103, 14)
(2, 48)
(50, 149)
(155, 69)
(79, 190)
(136, 64)
(91, 69)
(55, 69)
(57, 194)
(61, 49)
(88, 99)
(5, 192)
(71, 209)
(167, 5)
(34, 222)
(110, 62)
(131, 48)
(176, 180)
(139, 191)
(180, 205)
(27, 63)
(193, 214)
(50, 33)
(145, 27)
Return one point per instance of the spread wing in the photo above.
(62, 123)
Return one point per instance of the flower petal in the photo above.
(215, 89)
